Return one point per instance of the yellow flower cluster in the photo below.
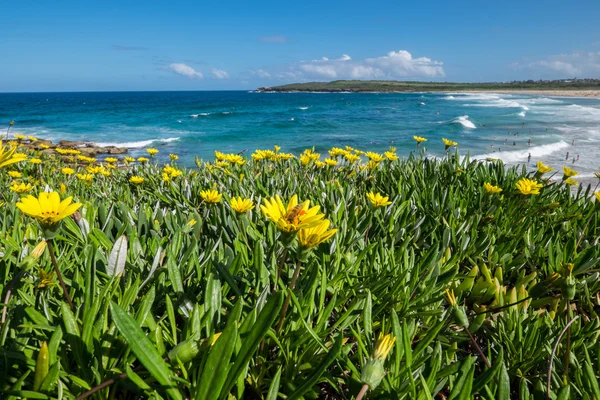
(170, 172)
(65, 152)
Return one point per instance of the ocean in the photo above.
(506, 126)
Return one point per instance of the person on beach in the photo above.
(573, 143)
(514, 143)
(577, 157)
(567, 157)
(529, 143)
(529, 158)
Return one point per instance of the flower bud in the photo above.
(185, 351)
(372, 373)
(39, 249)
(42, 366)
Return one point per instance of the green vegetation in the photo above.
(414, 279)
(409, 86)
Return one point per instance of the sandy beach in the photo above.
(554, 93)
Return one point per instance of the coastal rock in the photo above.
(69, 144)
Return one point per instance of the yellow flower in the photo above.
(569, 172)
(211, 196)
(571, 181)
(383, 346)
(320, 164)
(192, 222)
(63, 188)
(491, 188)
(85, 177)
(32, 139)
(240, 205)
(35, 161)
(293, 217)
(129, 160)
(174, 157)
(7, 155)
(419, 139)
(378, 200)
(451, 298)
(277, 148)
(18, 136)
(142, 160)
(529, 186)
(152, 151)
(449, 143)
(95, 169)
(597, 195)
(136, 180)
(285, 156)
(46, 280)
(391, 155)
(44, 146)
(352, 158)
(15, 174)
(331, 162)
(68, 171)
(376, 157)
(315, 235)
(542, 168)
(111, 160)
(222, 164)
(20, 187)
(48, 208)
(373, 371)
(372, 164)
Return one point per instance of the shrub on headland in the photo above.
(290, 277)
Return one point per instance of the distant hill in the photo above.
(411, 86)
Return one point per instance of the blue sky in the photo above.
(194, 45)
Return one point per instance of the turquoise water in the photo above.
(197, 123)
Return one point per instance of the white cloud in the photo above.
(185, 70)
(273, 39)
(578, 64)
(220, 74)
(396, 64)
(261, 73)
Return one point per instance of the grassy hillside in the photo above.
(406, 86)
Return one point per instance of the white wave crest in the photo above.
(303, 108)
(449, 98)
(464, 121)
(136, 145)
(520, 156)
(521, 114)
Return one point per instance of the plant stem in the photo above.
(549, 379)
(362, 392)
(568, 350)
(280, 267)
(481, 354)
(8, 292)
(289, 297)
(59, 275)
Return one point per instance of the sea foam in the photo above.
(520, 156)
(139, 144)
(464, 121)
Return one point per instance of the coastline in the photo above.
(587, 94)
(590, 94)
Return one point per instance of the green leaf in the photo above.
(263, 323)
(144, 350)
(312, 380)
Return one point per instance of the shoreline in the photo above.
(584, 94)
